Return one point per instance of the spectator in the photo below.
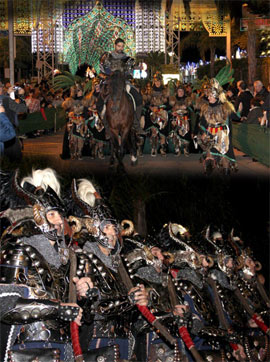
(260, 91)
(242, 102)
(9, 143)
(68, 102)
(266, 112)
(231, 94)
(58, 100)
(13, 106)
(255, 113)
(32, 103)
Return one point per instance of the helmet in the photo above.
(157, 76)
(93, 206)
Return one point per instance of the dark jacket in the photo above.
(254, 115)
(12, 108)
(244, 98)
(262, 94)
(7, 131)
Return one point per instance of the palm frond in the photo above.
(172, 86)
(87, 87)
(225, 75)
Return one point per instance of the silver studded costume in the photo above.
(107, 307)
(32, 275)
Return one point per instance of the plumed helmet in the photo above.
(217, 91)
(157, 76)
(95, 81)
(94, 207)
(224, 76)
(42, 188)
(172, 237)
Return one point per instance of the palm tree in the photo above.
(203, 43)
(250, 10)
(154, 61)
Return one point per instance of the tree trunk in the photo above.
(251, 44)
(140, 217)
(251, 50)
(212, 61)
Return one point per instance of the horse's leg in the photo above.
(112, 157)
(122, 142)
(114, 146)
(139, 146)
(133, 148)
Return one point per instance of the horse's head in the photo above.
(114, 88)
(105, 90)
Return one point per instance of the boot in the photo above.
(153, 152)
(136, 122)
(186, 153)
(140, 147)
(93, 152)
(153, 142)
(100, 153)
(163, 150)
(177, 152)
(226, 171)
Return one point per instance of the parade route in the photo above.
(49, 147)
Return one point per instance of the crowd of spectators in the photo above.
(252, 105)
(15, 103)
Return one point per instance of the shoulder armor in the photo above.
(15, 262)
(16, 254)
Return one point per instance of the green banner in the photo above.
(253, 140)
(35, 121)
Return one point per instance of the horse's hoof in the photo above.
(134, 160)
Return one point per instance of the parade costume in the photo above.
(215, 124)
(180, 123)
(156, 118)
(34, 275)
(109, 297)
(94, 123)
(190, 277)
(77, 132)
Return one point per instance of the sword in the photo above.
(252, 314)
(221, 315)
(143, 309)
(74, 328)
(184, 334)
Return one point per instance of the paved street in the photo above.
(50, 147)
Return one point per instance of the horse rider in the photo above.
(119, 60)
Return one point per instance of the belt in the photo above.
(41, 333)
(10, 142)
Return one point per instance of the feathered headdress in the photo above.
(157, 76)
(224, 76)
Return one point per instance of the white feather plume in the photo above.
(86, 191)
(44, 178)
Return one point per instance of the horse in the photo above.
(119, 115)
